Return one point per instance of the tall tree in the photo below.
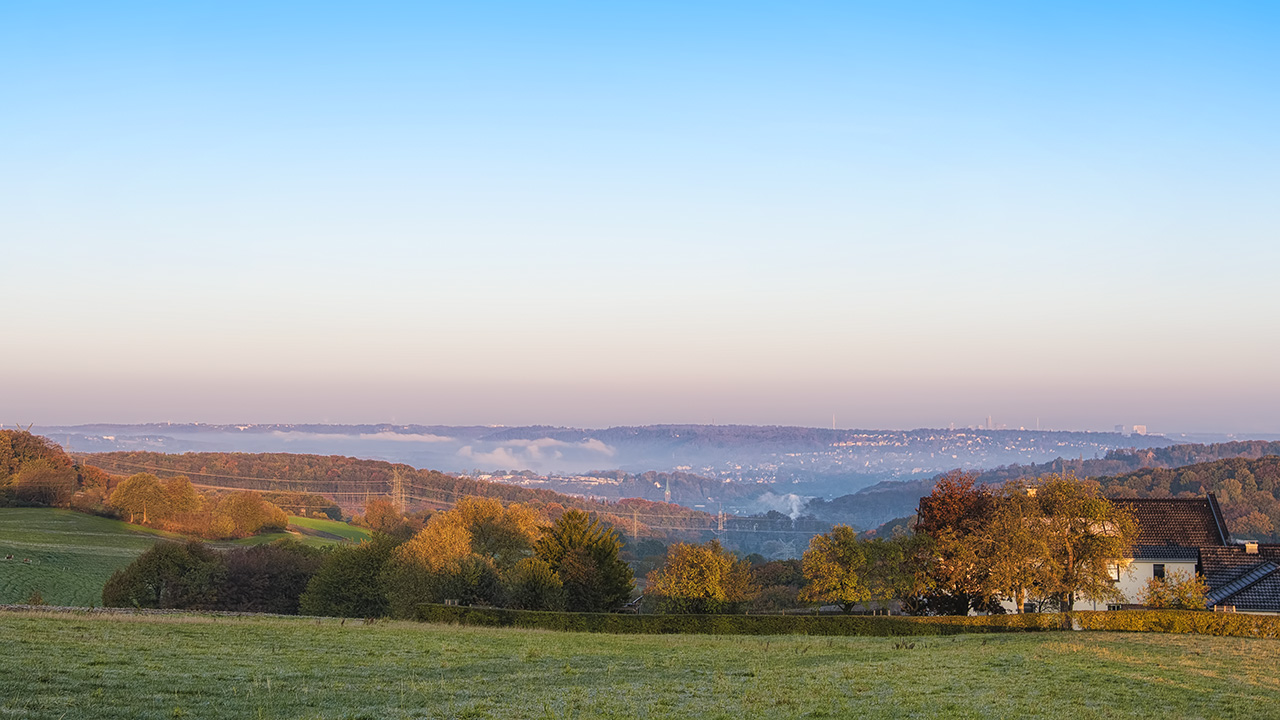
(1085, 534)
(954, 516)
(584, 552)
(1016, 545)
(835, 564)
(141, 497)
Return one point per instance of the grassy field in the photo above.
(330, 528)
(73, 554)
(136, 667)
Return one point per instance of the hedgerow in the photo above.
(1163, 621)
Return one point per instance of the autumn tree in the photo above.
(140, 497)
(505, 535)
(834, 565)
(1085, 534)
(42, 482)
(1016, 546)
(701, 579)
(460, 554)
(382, 515)
(954, 516)
(584, 553)
(245, 513)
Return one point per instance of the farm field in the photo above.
(73, 554)
(192, 666)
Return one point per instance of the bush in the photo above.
(1167, 621)
(878, 625)
(1201, 622)
(267, 578)
(169, 575)
(533, 585)
(349, 581)
(471, 580)
(1178, 591)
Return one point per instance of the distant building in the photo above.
(1139, 429)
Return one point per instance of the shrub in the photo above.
(533, 585)
(878, 625)
(267, 578)
(349, 581)
(1178, 591)
(471, 580)
(169, 575)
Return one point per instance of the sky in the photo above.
(878, 215)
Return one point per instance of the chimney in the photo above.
(1251, 548)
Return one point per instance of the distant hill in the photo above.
(1125, 468)
(351, 482)
(816, 461)
(1248, 490)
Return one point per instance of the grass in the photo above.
(191, 666)
(330, 527)
(73, 554)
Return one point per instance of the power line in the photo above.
(715, 523)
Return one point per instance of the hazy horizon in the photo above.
(585, 215)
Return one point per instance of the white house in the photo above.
(1172, 532)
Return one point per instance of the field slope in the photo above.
(188, 666)
(72, 554)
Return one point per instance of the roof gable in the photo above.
(1177, 522)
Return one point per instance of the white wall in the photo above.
(1133, 580)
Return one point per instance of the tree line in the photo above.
(1050, 542)
(481, 552)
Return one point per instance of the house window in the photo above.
(1029, 607)
(1157, 571)
(1114, 606)
(1115, 572)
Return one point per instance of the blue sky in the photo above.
(902, 214)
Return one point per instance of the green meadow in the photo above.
(192, 666)
(72, 554)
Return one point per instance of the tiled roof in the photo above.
(1248, 581)
(1165, 552)
(1178, 522)
(1220, 596)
